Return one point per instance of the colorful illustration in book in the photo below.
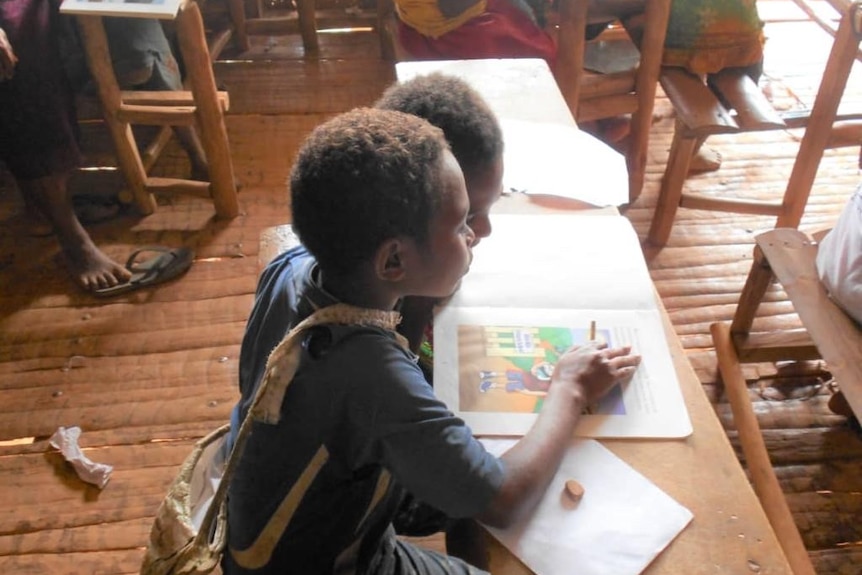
(509, 368)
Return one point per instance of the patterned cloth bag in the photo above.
(189, 533)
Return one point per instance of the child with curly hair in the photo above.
(380, 205)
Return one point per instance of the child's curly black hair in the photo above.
(361, 178)
(451, 104)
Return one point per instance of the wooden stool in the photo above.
(788, 255)
(202, 107)
(700, 113)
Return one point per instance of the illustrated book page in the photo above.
(535, 288)
(162, 9)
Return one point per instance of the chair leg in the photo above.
(756, 456)
(236, 8)
(387, 30)
(681, 151)
(571, 42)
(209, 113)
(819, 127)
(125, 146)
(759, 279)
(305, 11)
(646, 83)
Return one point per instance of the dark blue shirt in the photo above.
(359, 426)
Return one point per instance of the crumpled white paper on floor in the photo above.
(66, 440)
(619, 526)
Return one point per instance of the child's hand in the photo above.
(8, 59)
(591, 370)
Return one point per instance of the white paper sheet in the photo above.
(163, 9)
(66, 440)
(619, 526)
(543, 273)
(559, 160)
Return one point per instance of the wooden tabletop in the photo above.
(730, 532)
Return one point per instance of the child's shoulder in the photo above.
(364, 341)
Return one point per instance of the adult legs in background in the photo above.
(38, 136)
(504, 30)
(89, 266)
(143, 60)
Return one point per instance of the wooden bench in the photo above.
(730, 102)
(788, 255)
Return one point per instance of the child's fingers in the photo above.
(609, 353)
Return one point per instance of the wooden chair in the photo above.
(596, 96)
(788, 255)
(307, 20)
(700, 113)
(201, 106)
(590, 97)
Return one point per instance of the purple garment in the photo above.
(38, 124)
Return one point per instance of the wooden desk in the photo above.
(730, 533)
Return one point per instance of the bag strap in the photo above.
(281, 366)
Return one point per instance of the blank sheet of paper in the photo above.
(619, 526)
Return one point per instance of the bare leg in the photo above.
(90, 267)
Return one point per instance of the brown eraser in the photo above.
(574, 489)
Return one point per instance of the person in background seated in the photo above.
(38, 134)
(839, 259)
(471, 29)
(839, 266)
(380, 206)
(704, 37)
(476, 140)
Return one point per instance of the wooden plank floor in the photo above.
(147, 373)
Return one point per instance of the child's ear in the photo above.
(389, 264)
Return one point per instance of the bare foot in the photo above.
(89, 266)
(92, 269)
(614, 130)
(705, 160)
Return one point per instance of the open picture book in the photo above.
(537, 286)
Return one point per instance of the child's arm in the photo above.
(581, 377)
(416, 314)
